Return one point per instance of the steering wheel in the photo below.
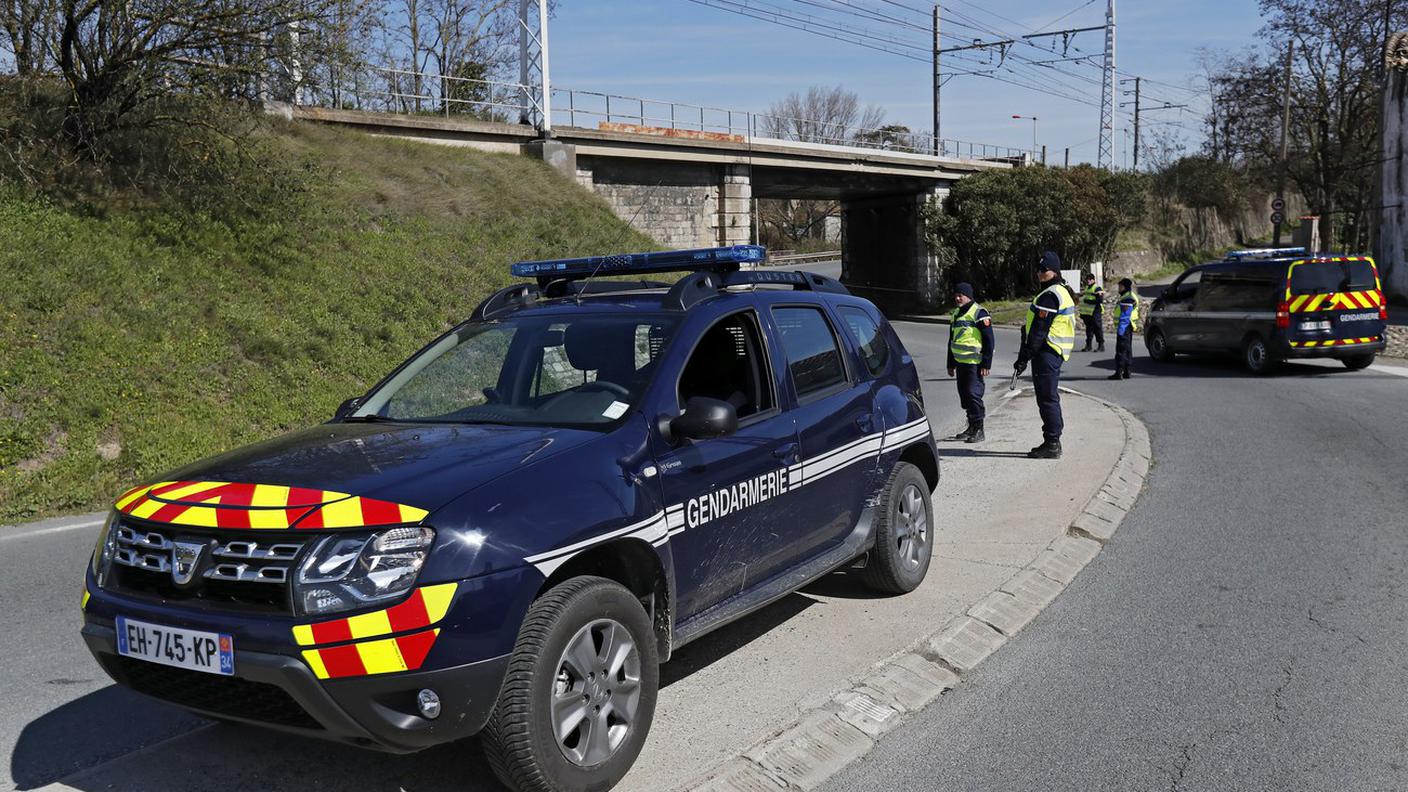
(610, 387)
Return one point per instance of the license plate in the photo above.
(213, 653)
(1315, 325)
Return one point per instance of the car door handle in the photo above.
(786, 452)
(866, 422)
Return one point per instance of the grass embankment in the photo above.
(136, 339)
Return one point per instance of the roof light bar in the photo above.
(719, 258)
(1265, 253)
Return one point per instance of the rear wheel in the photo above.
(1357, 362)
(904, 533)
(1257, 356)
(579, 696)
(1158, 346)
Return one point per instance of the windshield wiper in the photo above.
(373, 418)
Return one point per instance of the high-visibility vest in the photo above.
(965, 341)
(1090, 300)
(1133, 302)
(1062, 336)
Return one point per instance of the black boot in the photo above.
(1101, 349)
(1117, 375)
(1050, 449)
(1126, 372)
(975, 433)
(1085, 348)
(962, 437)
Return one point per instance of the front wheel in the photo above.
(1158, 346)
(1257, 356)
(1358, 362)
(904, 533)
(579, 696)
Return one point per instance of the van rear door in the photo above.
(1334, 302)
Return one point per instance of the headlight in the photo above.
(104, 550)
(349, 572)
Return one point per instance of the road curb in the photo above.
(819, 744)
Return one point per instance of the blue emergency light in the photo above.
(718, 258)
(1266, 253)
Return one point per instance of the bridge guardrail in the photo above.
(780, 258)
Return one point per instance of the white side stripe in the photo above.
(659, 527)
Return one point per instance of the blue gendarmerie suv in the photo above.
(508, 534)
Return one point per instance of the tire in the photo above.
(569, 627)
(1358, 362)
(1157, 346)
(904, 533)
(1256, 356)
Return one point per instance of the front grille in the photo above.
(244, 569)
(230, 696)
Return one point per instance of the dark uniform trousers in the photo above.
(970, 390)
(1046, 379)
(1124, 349)
(1094, 328)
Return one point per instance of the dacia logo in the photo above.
(186, 561)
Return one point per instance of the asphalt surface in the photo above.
(1245, 630)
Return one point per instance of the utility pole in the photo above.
(535, 84)
(938, 149)
(1285, 135)
(1137, 80)
(1107, 95)
(1139, 111)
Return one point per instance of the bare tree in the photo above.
(28, 27)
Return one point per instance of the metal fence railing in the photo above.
(402, 91)
(577, 108)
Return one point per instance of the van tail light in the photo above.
(1383, 312)
(1283, 316)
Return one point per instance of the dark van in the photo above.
(1272, 308)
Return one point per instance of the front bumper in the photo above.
(278, 691)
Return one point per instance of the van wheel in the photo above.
(579, 696)
(1257, 356)
(904, 533)
(1358, 362)
(1158, 346)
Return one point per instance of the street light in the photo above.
(1033, 120)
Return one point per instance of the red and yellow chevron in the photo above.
(1334, 342)
(426, 606)
(1339, 301)
(384, 656)
(230, 504)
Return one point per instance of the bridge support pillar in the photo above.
(680, 205)
(884, 255)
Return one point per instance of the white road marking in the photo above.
(45, 530)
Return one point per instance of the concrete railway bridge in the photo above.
(690, 188)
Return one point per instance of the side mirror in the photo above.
(702, 419)
(347, 408)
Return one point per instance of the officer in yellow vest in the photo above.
(1048, 339)
(1092, 312)
(1128, 325)
(970, 348)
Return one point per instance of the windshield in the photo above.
(578, 371)
(1327, 277)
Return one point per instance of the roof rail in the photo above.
(694, 288)
(506, 299)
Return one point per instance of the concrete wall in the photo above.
(682, 205)
(884, 254)
(1392, 253)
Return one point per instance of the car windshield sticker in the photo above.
(616, 410)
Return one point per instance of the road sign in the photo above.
(1278, 204)
(1277, 218)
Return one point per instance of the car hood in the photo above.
(344, 475)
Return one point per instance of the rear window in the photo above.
(812, 353)
(1326, 277)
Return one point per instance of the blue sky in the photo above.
(685, 52)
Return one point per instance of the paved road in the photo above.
(1244, 631)
(60, 714)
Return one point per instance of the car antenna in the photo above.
(644, 200)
